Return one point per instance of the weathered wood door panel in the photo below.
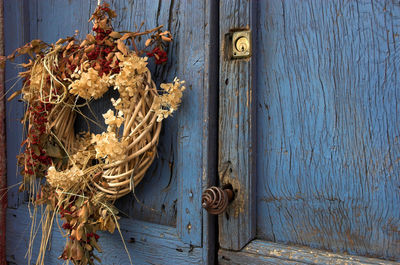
(311, 127)
(166, 225)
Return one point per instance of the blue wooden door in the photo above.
(164, 224)
(310, 128)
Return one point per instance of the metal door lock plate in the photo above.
(241, 44)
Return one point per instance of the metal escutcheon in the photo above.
(215, 200)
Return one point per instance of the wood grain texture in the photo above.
(261, 252)
(328, 125)
(147, 243)
(226, 257)
(16, 34)
(236, 128)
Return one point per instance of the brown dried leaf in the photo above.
(53, 150)
(95, 245)
(84, 57)
(84, 42)
(73, 233)
(148, 42)
(121, 47)
(104, 213)
(167, 39)
(91, 18)
(70, 44)
(97, 67)
(110, 56)
(119, 56)
(90, 38)
(110, 225)
(76, 251)
(61, 41)
(115, 35)
(73, 221)
(126, 36)
(83, 214)
(113, 63)
(164, 33)
(108, 43)
(13, 95)
(103, 23)
(80, 231)
(36, 150)
(35, 43)
(89, 48)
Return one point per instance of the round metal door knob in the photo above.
(215, 200)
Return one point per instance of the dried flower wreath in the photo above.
(83, 174)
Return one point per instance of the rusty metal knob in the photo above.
(215, 200)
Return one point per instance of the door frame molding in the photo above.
(263, 252)
(3, 167)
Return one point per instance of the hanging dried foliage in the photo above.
(85, 173)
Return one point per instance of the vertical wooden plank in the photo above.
(191, 66)
(328, 123)
(236, 131)
(3, 169)
(16, 19)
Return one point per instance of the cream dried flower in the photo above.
(113, 121)
(130, 80)
(84, 151)
(108, 147)
(169, 101)
(64, 179)
(89, 84)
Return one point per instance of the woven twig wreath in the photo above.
(86, 172)
(128, 158)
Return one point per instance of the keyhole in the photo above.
(242, 44)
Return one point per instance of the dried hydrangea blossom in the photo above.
(130, 80)
(168, 102)
(113, 121)
(108, 147)
(64, 179)
(89, 84)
